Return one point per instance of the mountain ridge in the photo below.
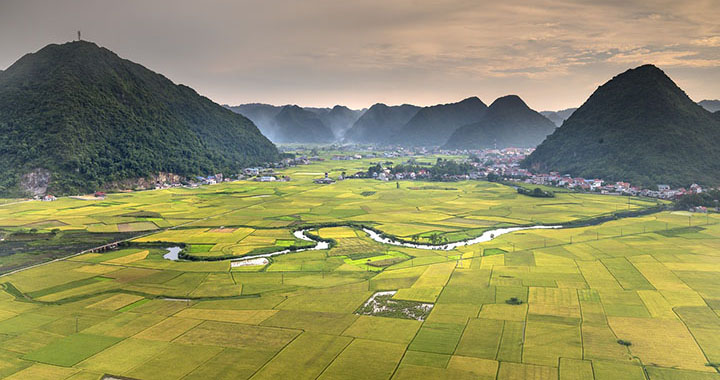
(88, 117)
(379, 123)
(433, 125)
(508, 122)
(297, 125)
(638, 127)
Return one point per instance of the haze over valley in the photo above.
(359, 190)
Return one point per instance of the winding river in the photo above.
(300, 234)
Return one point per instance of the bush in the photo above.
(514, 301)
(536, 192)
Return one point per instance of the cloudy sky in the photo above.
(553, 53)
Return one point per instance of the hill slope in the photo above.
(380, 122)
(296, 125)
(78, 116)
(638, 127)
(509, 122)
(431, 126)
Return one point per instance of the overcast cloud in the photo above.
(325, 52)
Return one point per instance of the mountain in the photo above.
(297, 125)
(75, 117)
(508, 122)
(431, 126)
(380, 122)
(558, 117)
(638, 127)
(339, 119)
(263, 115)
(710, 105)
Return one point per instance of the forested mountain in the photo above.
(296, 125)
(710, 105)
(508, 122)
(338, 119)
(431, 126)
(380, 122)
(263, 115)
(638, 127)
(75, 116)
(558, 117)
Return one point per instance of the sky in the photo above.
(552, 53)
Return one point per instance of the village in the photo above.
(498, 165)
(504, 165)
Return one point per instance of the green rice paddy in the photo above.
(652, 281)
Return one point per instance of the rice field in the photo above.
(629, 298)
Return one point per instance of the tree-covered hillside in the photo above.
(297, 125)
(379, 123)
(508, 122)
(638, 127)
(87, 117)
(262, 115)
(431, 126)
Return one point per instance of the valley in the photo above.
(536, 303)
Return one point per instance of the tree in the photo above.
(492, 177)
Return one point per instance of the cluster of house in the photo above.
(599, 185)
(301, 160)
(505, 163)
(327, 180)
(387, 175)
(508, 167)
(349, 157)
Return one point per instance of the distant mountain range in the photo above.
(339, 118)
(405, 125)
(431, 126)
(75, 117)
(558, 117)
(379, 123)
(638, 127)
(710, 105)
(294, 124)
(508, 122)
(299, 124)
